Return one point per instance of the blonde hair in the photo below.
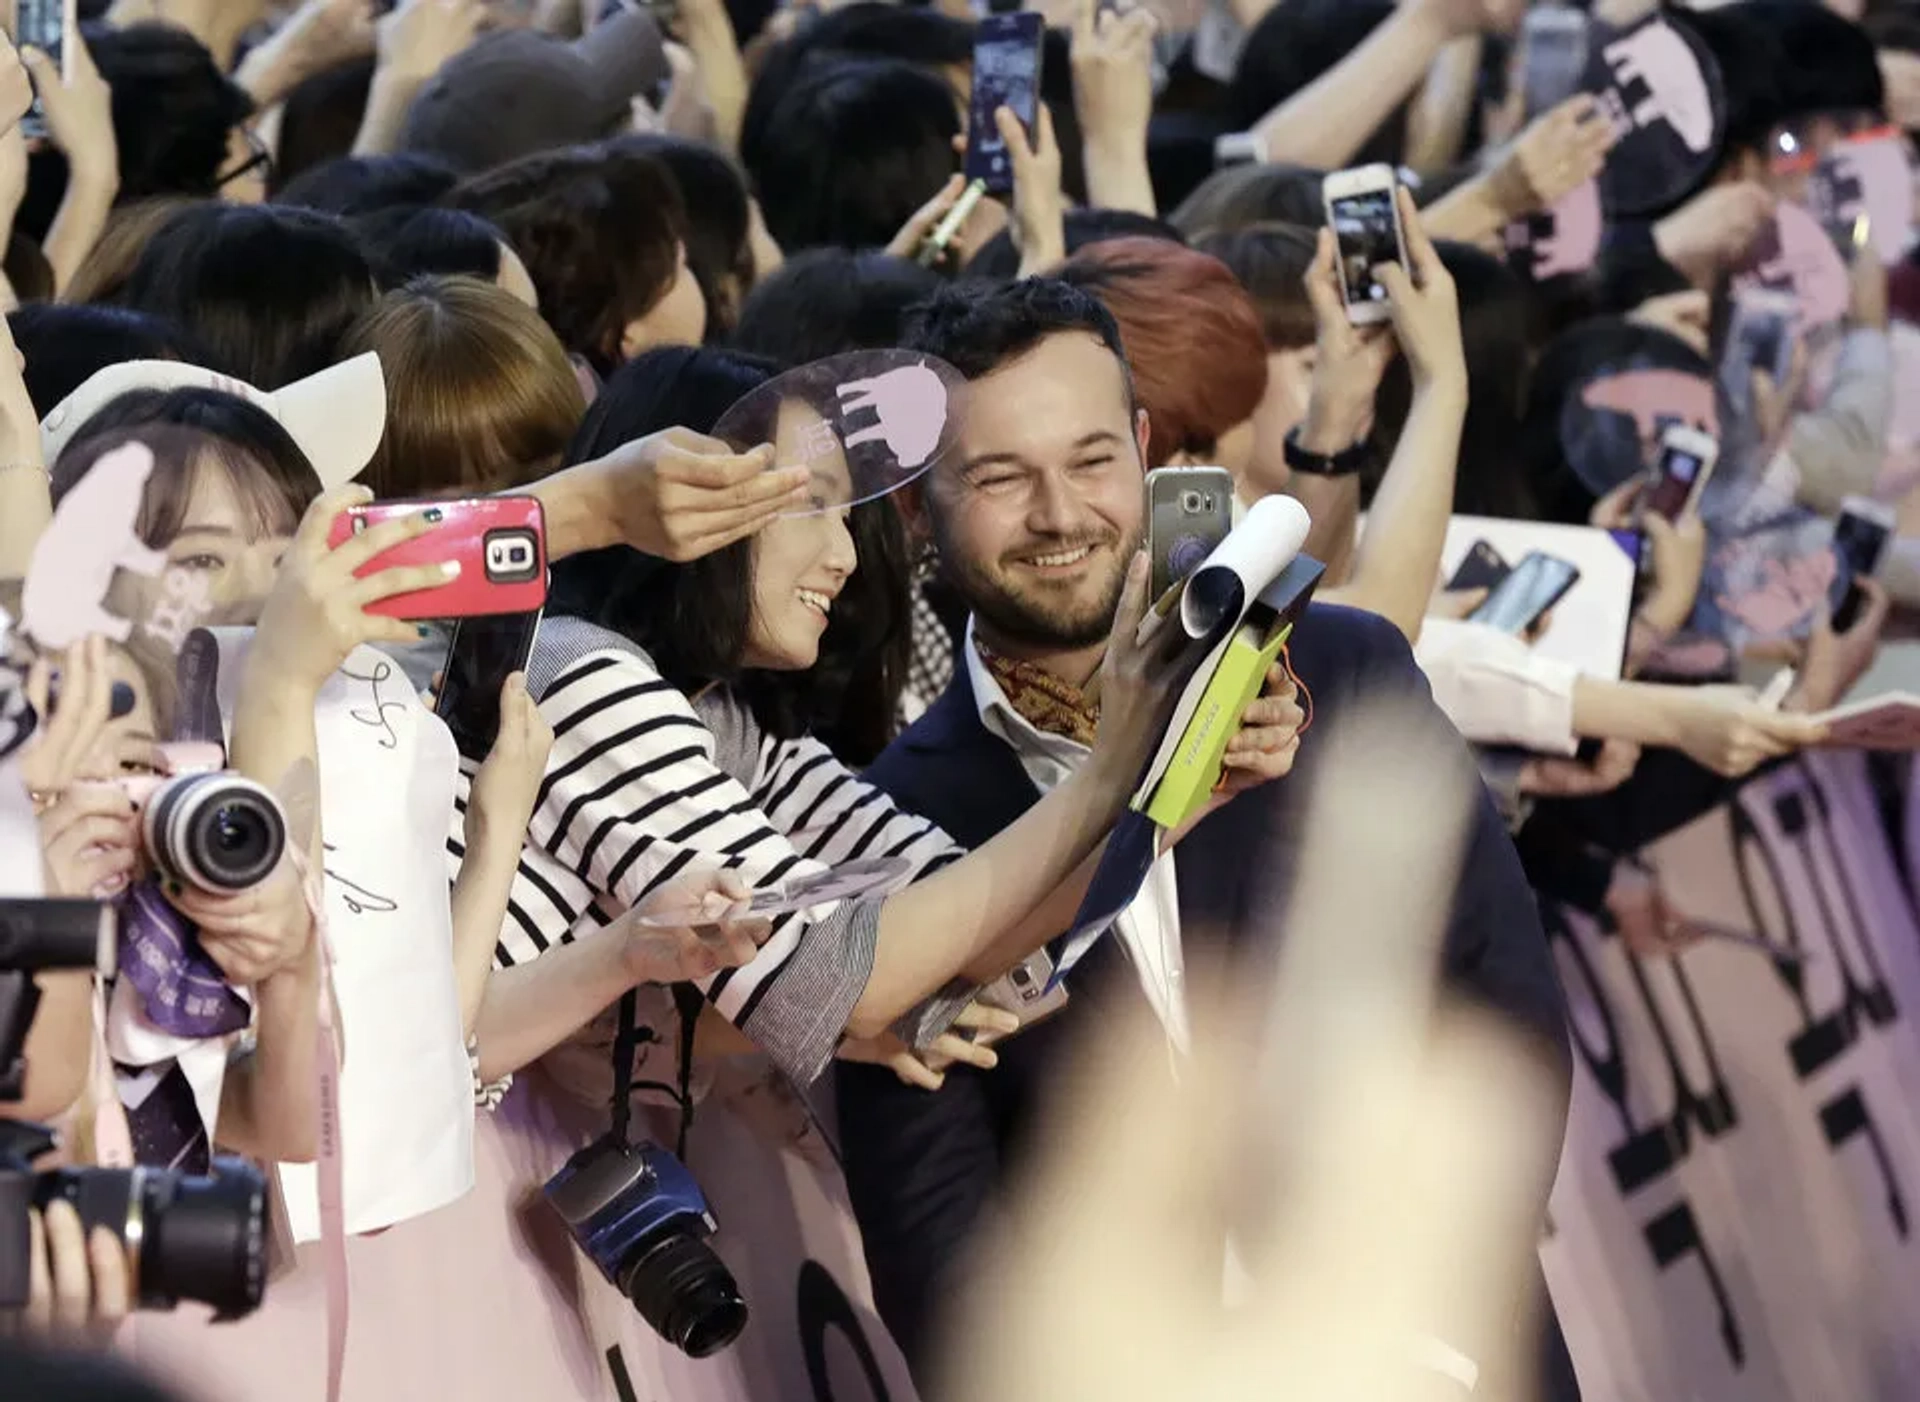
(480, 393)
(103, 274)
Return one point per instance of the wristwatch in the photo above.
(1342, 464)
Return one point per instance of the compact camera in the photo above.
(205, 826)
(640, 1217)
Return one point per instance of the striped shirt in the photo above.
(643, 784)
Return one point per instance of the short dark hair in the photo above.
(268, 291)
(321, 119)
(272, 478)
(719, 230)
(827, 301)
(409, 243)
(600, 230)
(65, 346)
(997, 258)
(851, 150)
(979, 327)
(352, 186)
(172, 108)
(694, 619)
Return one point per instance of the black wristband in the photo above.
(1344, 464)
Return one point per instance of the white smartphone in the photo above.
(1364, 214)
(1687, 460)
(52, 27)
(1553, 44)
(1860, 537)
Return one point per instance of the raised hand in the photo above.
(1425, 304)
(1560, 152)
(316, 614)
(1039, 208)
(507, 785)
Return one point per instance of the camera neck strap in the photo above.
(689, 1002)
(333, 1215)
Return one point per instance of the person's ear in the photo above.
(911, 502)
(1142, 435)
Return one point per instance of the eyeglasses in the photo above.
(258, 158)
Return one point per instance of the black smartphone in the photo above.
(1483, 568)
(42, 25)
(1536, 584)
(484, 653)
(1860, 537)
(1006, 73)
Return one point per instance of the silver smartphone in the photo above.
(1364, 212)
(1189, 512)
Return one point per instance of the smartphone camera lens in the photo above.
(1193, 503)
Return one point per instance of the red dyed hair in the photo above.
(1192, 337)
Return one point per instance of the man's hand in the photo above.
(1268, 740)
(928, 1069)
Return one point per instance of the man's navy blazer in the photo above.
(914, 1159)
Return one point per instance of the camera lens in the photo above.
(217, 832)
(192, 1238)
(1193, 503)
(686, 1294)
(206, 1238)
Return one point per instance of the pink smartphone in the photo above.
(500, 542)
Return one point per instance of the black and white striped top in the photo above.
(642, 783)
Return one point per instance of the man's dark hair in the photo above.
(358, 185)
(827, 301)
(268, 291)
(850, 151)
(978, 327)
(600, 230)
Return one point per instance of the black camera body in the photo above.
(640, 1217)
(187, 1237)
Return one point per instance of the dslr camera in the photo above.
(187, 1237)
(640, 1217)
(203, 825)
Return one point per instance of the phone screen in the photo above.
(1858, 542)
(485, 652)
(1006, 73)
(42, 25)
(1536, 585)
(1366, 226)
(1556, 58)
(1673, 482)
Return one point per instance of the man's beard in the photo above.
(1022, 617)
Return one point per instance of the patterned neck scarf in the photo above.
(1042, 700)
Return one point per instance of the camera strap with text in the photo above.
(333, 1217)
